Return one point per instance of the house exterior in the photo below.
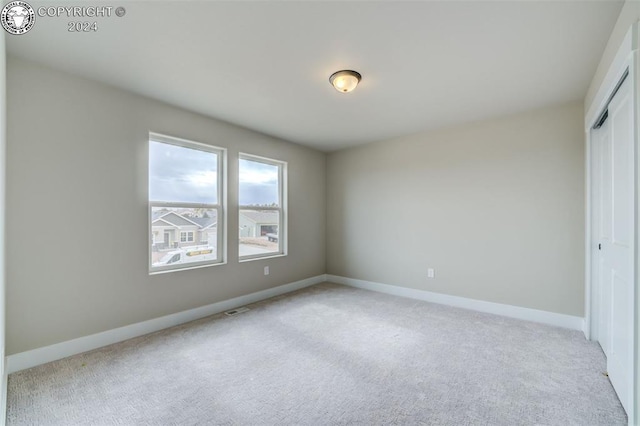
(255, 224)
(177, 229)
(173, 229)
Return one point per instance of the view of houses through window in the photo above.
(184, 198)
(186, 215)
(261, 215)
(183, 229)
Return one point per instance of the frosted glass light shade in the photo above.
(345, 81)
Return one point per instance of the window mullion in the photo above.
(259, 208)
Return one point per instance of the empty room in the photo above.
(319, 212)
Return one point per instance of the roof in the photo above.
(205, 222)
(175, 219)
(267, 216)
(179, 220)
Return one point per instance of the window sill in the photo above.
(186, 268)
(268, 256)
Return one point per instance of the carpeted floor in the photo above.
(329, 354)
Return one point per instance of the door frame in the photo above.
(626, 58)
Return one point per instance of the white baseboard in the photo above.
(28, 359)
(585, 329)
(544, 317)
(3, 402)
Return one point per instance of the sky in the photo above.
(179, 174)
(258, 183)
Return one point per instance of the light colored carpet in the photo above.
(329, 354)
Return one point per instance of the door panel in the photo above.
(621, 141)
(596, 225)
(613, 209)
(620, 362)
(603, 212)
(620, 313)
(605, 307)
(606, 183)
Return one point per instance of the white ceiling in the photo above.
(266, 65)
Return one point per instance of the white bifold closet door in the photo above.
(613, 218)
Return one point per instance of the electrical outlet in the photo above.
(431, 273)
(266, 270)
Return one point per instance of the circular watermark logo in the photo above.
(17, 17)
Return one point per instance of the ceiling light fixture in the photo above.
(345, 81)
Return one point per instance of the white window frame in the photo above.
(187, 234)
(220, 207)
(281, 209)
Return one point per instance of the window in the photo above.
(262, 210)
(186, 237)
(186, 215)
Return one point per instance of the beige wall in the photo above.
(629, 14)
(77, 160)
(497, 208)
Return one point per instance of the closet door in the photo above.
(614, 210)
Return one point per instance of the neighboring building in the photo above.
(170, 229)
(255, 224)
(174, 229)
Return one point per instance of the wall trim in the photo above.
(585, 328)
(3, 402)
(527, 314)
(34, 357)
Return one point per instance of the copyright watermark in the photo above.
(18, 17)
(81, 11)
